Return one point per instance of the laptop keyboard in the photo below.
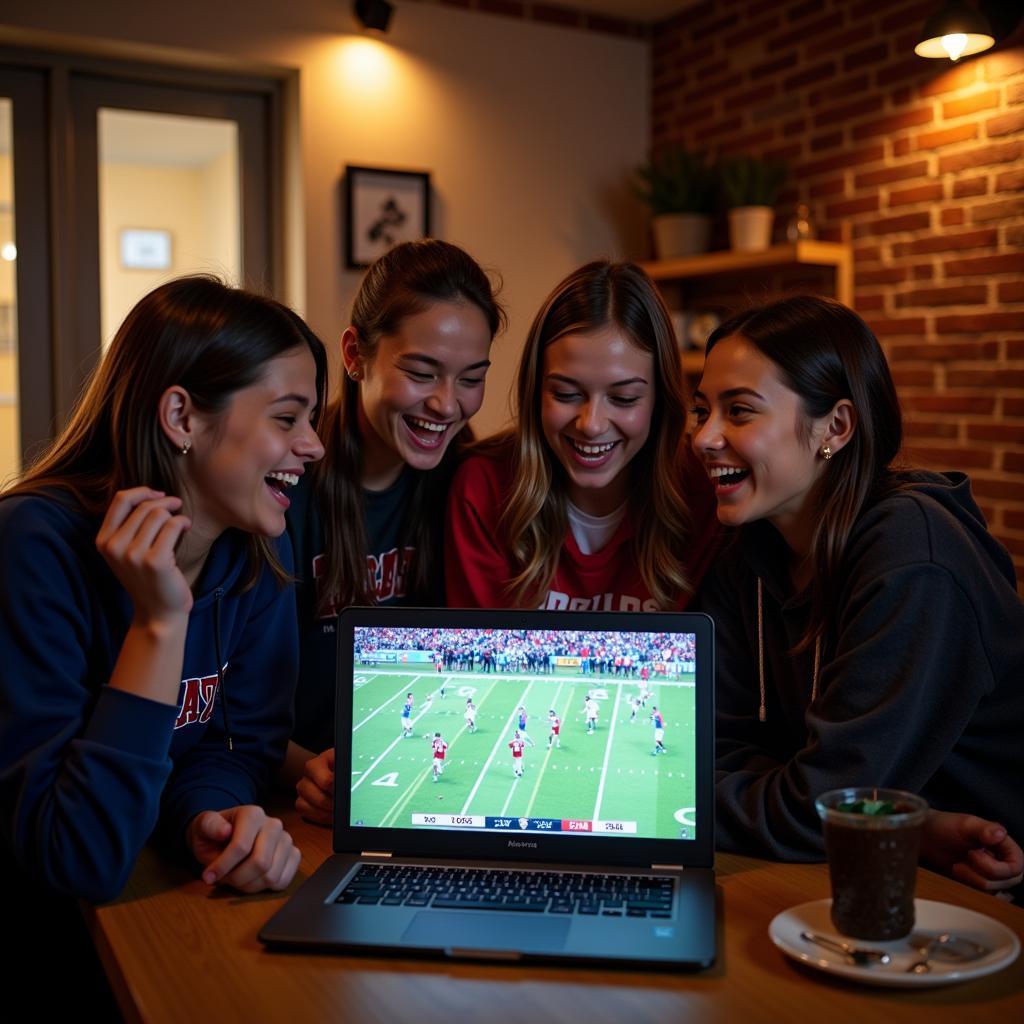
(531, 892)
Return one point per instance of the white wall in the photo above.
(197, 205)
(143, 196)
(219, 216)
(528, 130)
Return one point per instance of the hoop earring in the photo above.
(186, 446)
(826, 453)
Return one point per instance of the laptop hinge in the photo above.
(667, 867)
(376, 853)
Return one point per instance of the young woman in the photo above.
(367, 531)
(593, 501)
(869, 630)
(147, 633)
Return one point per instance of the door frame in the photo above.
(26, 88)
(68, 326)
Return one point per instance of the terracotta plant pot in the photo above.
(750, 228)
(681, 234)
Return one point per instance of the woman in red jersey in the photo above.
(592, 501)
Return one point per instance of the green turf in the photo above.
(392, 778)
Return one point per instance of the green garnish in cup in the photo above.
(874, 807)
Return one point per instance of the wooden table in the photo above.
(176, 951)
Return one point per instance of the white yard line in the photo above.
(404, 689)
(510, 677)
(392, 746)
(508, 799)
(608, 751)
(544, 764)
(403, 801)
(443, 686)
(494, 749)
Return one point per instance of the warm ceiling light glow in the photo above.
(954, 44)
(9, 252)
(956, 31)
(366, 65)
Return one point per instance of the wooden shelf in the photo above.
(808, 253)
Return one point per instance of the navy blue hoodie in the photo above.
(922, 678)
(87, 771)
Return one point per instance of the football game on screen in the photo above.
(558, 731)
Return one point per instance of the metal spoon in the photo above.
(855, 954)
(947, 947)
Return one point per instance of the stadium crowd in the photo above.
(599, 653)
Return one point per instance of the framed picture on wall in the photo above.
(383, 208)
(145, 249)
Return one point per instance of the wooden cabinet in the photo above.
(723, 282)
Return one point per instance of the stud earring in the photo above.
(826, 453)
(186, 446)
(355, 374)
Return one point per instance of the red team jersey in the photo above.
(517, 747)
(556, 724)
(439, 749)
(478, 567)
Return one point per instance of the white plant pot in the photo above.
(681, 234)
(750, 228)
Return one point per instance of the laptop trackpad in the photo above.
(473, 929)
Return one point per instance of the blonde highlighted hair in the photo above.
(535, 522)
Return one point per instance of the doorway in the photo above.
(144, 173)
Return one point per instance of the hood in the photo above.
(953, 492)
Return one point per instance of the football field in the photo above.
(610, 781)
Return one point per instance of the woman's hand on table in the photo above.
(316, 789)
(970, 849)
(243, 848)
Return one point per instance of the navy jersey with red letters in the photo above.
(89, 770)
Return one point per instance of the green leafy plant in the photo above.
(875, 807)
(750, 181)
(676, 180)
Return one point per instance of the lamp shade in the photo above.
(955, 31)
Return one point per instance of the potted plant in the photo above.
(679, 187)
(751, 186)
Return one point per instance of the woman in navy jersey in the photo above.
(367, 529)
(593, 500)
(147, 625)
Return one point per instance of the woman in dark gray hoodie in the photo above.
(869, 628)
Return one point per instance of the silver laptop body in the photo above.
(519, 786)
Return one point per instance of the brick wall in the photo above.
(919, 164)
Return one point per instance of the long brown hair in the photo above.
(405, 281)
(194, 332)
(536, 519)
(825, 352)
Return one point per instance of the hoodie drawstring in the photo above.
(218, 594)
(762, 714)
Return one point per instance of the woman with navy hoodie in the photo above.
(147, 635)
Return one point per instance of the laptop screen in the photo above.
(562, 732)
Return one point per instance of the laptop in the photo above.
(519, 785)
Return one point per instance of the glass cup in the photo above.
(872, 838)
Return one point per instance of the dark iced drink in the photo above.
(872, 838)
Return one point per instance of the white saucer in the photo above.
(932, 918)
